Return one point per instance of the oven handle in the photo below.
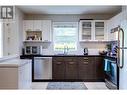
(112, 61)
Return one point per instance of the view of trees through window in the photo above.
(65, 36)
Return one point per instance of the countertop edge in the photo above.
(32, 56)
(14, 63)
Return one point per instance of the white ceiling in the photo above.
(70, 9)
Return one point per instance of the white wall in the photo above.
(14, 31)
(112, 23)
(1, 40)
(19, 30)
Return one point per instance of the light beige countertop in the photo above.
(17, 62)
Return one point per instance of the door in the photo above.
(28, 25)
(71, 68)
(46, 30)
(99, 68)
(85, 30)
(99, 30)
(86, 68)
(83, 68)
(42, 68)
(37, 25)
(58, 68)
(123, 71)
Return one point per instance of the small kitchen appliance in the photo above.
(85, 51)
(33, 50)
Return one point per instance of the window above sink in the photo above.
(65, 36)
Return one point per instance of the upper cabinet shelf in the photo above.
(92, 30)
(37, 30)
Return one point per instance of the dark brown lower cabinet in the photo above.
(71, 68)
(82, 68)
(58, 68)
(86, 67)
(99, 68)
(64, 68)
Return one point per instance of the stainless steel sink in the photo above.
(65, 54)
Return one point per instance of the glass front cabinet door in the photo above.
(99, 30)
(91, 30)
(85, 30)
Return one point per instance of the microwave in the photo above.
(35, 50)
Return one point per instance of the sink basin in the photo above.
(64, 54)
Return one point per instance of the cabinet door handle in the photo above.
(58, 63)
(71, 63)
(85, 58)
(85, 62)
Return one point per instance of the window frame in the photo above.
(62, 22)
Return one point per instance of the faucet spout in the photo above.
(66, 49)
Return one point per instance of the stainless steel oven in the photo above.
(111, 73)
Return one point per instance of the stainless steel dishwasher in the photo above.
(42, 68)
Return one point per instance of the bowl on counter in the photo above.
(103, 52)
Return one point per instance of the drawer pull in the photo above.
(85, 62)
(71, 63)
(58, 63)
(85, 58)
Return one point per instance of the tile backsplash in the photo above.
(93, 48)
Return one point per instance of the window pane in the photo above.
(65, 36)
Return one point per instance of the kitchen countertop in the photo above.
(59, 55)
(14, 63)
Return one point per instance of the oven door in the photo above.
(111, 72)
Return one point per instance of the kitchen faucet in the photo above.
(66, 49)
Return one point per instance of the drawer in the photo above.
(70, 59)
(58, 62)
(58, 59)
(83, 59)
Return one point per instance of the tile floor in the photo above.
(89, 85)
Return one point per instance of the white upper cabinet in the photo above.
(37, 25)
(46, 33)
(28, 25)
(32, 25)
(37, 30)
(92, 30)
(99, 30)
(85, 30)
